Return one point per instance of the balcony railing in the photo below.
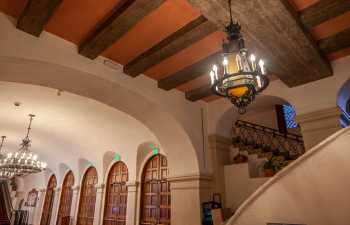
(255, 136)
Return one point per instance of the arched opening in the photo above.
(48, 202)
(343, 102)
(116, 195)
(87, 201)
(63, 216)
(155, 194)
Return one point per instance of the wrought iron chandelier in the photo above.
(241, 76)
(4, 174)
(22, 162)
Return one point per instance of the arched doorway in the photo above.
(87, 201)
(116, 195)
(155, 197)
(48, 203)
(63, 216)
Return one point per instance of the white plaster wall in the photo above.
(314, 190)
(266, 117)
(239, 185)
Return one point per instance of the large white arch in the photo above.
(171, 135)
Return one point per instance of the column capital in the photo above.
(190, 181)
(190, 177)
(76, 188)
(318, 125)
(132, 183)
(100, 188)
(318, 115)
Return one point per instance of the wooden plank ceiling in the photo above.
(176, 41)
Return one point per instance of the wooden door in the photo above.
(116, 195)
(48, 202)
(63, 216)
(87, 201)
(155, 199)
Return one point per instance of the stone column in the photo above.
(187, 194)
(132, 208)
(317, 126)
(221, 153)
(39, 207)
(56, 202)
(75, 205)
(98, 203)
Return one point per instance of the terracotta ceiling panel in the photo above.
(331, 27)
(196, 52)
(12, 7)
(339, 54)
(302, 4)
(162, 22)
(195, 83)
(75, 19)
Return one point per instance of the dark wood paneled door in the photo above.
(87, 200)
(48, 202)
(116, 195)
(155, 199)
(63, 216)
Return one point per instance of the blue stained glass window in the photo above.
(289, 116)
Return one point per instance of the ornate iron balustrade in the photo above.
(255, 136)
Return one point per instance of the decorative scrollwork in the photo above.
(248, 136)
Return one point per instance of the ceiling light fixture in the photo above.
(4, 175)
(241, 76)
(23, 162)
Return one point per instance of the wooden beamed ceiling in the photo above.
(176, 41)
(36, 15)
(125, 16)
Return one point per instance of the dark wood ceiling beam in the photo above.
(183, 38)
(336, 42)
(125, 16)
(36, 14)
(189, 73)
(272, 32)
(199, 93)
(323, 11)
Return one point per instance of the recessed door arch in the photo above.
(87, 199)
(116, 195)
(155, 192)
(64, 208)
(48, 202)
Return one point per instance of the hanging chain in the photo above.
(230, 7)
(2, 142)
(26, 141)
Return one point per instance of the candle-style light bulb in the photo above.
(252, 60)
(262, 66)
(215, 69)
(212, 77)
(258, 79)
(225, 64)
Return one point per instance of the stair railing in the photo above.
(267, 139)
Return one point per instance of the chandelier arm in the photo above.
(30, 125)
(2, 142)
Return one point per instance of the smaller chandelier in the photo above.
(241, 76)
(22, 162)
(4, 174)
